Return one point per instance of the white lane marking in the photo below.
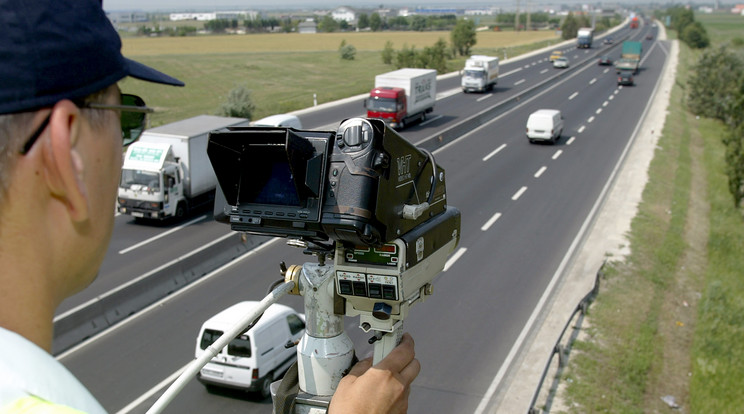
(152, 239)
(570, 140)
(591, 82)
(494, 152)
(519, 193)
(451, 261)
(599, 111)
(543, 71)
(573, 95)
(152, 391)
(175, 294)
(557, 154)
(540, 171)
(510, 73)
(519, 82)
(490, 222)
(430, 120)
(605, 103)
(605, 71)
(483, 98)
(581, 129)
(144, 275)
(590, 120)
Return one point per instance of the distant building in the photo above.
(344, 13)
(307, 27)
(738, 9)
(221, 15)
(127, 17)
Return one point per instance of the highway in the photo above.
(522, 207)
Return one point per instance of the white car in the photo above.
(560, 62)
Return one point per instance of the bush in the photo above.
(239, 103)
(695, 36)
(388, 53)
(347, 52)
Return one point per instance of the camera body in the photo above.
(356, 185)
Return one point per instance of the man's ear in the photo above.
(63, 166)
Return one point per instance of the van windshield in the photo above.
(239, 347)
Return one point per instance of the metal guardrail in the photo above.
(563, 350)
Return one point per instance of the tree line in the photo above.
(715, 90)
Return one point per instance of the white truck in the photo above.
(480, 73)
(167, 172)
(584, 38)
(402, 96)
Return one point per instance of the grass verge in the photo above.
(668, 324)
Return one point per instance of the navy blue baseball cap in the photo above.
(60, 49)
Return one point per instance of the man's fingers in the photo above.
(360, 368)
(400, 356)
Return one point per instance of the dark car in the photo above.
(625, 78)
(607, 41)
(605, 60)
(649, 37)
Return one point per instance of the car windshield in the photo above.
(474, 73)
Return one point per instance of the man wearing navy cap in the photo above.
(63, 122)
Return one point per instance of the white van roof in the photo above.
(278, 120)
(546, 112)
(226, 318)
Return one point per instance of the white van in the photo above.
(280, 120)
(254, 359)
(545, 125)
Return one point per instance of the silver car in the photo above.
(560, 62)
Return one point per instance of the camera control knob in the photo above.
(382, 311)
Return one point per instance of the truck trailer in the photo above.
(584, 38)
(630, 59)
(480, 73)
(167, 172)
(402, 96)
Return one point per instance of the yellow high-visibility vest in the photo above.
(36, 405)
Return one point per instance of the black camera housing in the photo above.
(350, 185)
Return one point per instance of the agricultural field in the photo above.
(284, 71)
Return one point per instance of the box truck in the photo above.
(480, 73)
(584, 38)
(167, 172)
(402, 96)
(630, 59)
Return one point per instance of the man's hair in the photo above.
(16, 128)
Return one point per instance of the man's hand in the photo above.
(382, 388)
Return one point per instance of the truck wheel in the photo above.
(423, 117)
(181, 210)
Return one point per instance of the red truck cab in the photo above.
(387, 104)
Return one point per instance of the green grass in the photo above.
(284, 72)
(670, 319)
(722, 27)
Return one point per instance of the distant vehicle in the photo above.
(649, 37)
(480, 73)
(279, 120)
(634, 22)
(167, 173)
(560, 62)
(545, 125)
(402, 96)
(604, 60)
(630, 58)
(556, 54)
(608, 41)
(255, 358)
(584, 38)
(625, 78)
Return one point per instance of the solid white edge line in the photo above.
(561, 268)
(158, 303)
(163, 234)
(154, 390)
(490, 222)
(142, 276)
(454, 258)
